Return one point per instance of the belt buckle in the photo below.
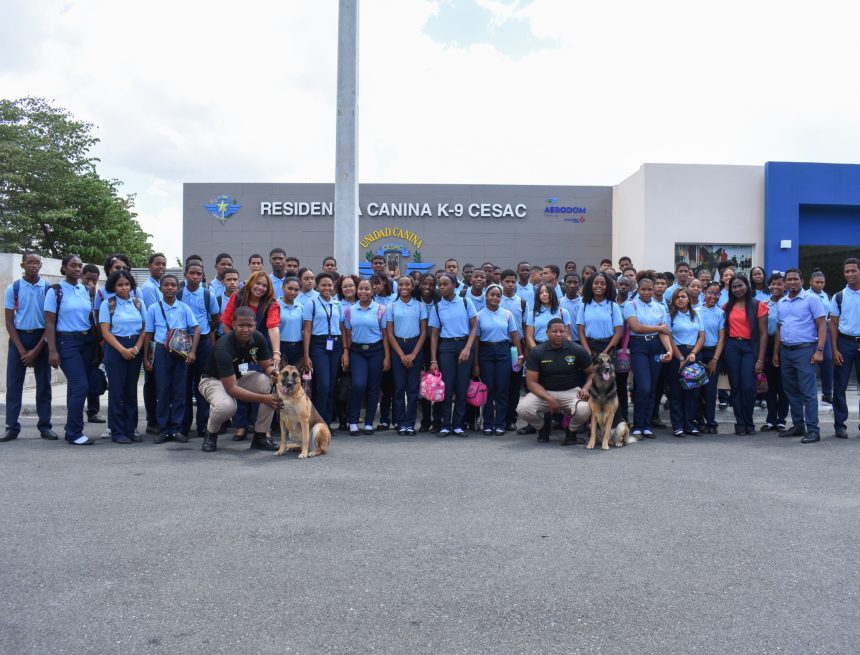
(649, 337)
(365, 346)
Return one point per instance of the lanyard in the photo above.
(328, 313)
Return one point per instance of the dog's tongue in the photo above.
(605, 376)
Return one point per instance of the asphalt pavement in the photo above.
(710, 544)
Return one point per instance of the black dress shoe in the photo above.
(511, 427)
(544, 432)
(181, 437)
(827, 399)
(136, 438)
(812, 437)
(796, 431)
(841, 433)
(50, 435)
(570, 439)
(152, 430)
(202, 432)
(210, 444)
(95, 418)
(526, 430)
(369, 430)
(423, 428)
(161, 438)
(123, 440)
(354, 433)
(657, 423)
(11, 435)
(262, 442)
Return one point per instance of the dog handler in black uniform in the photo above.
(558, 376)
(227, 378)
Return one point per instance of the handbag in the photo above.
(433, 387)
(622, 355)
(476, 393)
(693, 376)
(178, 341)
(761, 383)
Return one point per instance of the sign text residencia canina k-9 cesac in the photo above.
(399, 209)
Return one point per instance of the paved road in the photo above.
(713, 544)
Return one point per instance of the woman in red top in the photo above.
(746, 345)
(258, 294)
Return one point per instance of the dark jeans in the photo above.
(456, 377)
(495, 363)
(149, 396)
(170, 375)
(707, 414)
(15, 372)
(76, 360)
(826, 368)
(777, 401)
(740, 363)
(646, 371)
(406, 385)
(192, 381)
(123, 375)
(682, 401)
(386, 401)
(292, 353)
(623, 395)
(798, 381)
(850, 350)
(325, 363)
(365, 365)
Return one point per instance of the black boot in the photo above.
(262, 442)
(210, 443)
(545, 431)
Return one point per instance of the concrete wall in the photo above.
(687, 203)
(10, 270)
(558, 222)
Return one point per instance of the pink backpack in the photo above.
(432, 387)
(476, 393)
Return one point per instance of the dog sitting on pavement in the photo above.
(298, 415)
(603, 401)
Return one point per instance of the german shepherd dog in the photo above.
(603, 401)
(299, 415)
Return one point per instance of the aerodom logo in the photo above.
(571, 214)
(223, 207)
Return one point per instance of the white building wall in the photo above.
(687, 203)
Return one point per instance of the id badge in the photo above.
(329, 343)
(243, 368)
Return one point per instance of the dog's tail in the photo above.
(320, 437)
(623, 434)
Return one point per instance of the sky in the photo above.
(450, 91)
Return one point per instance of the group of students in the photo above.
(365, 342)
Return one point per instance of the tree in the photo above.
(52, 199)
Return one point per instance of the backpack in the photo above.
(837, 297)
(207, 299)
(112, 308)
(16, 287)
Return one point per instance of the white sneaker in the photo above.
(106, 434)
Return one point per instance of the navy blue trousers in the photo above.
(15, 372)
(798, 381)
(292, 353)
(122, 376)
(365, 367)
(826, 368)
(406, 385)
(456, 377)
(325, 363)
(740, 363)
(495, 363)
(708, 393)
(682, 401)
(777, 401)
(850, 351)
(76, 361)
(646, 372)
(192, 380)
(170, 376)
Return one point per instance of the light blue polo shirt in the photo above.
(526, 291)
(196, 300)
(179, 317)
(75, 308)
(571, 306)
(365, 322)
(278, 284)
(771, 317)
(685, 330)
(600, 319)
(103, 294)
(849, 315)
(216, 287)
(651, 313)
(713, 320)
(325, 317)
(760, 295)
(150, 291)
(670, 291)
(796, 318)
(540, 321)
(825, 301)
(406, 318)
(304, 298)
(291, 321)
(496, 326)
(385, 300)
(478, 301)
(724, 297)
(128, 321)
(515, 306)
(30, 314)
(452, 318)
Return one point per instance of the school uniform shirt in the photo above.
(75, 307)
(651, 313)
(478, 301)
(179, 317)
(762, 295)
(216, 287)
(325, 317)
(128, 320)
(514, 305)
(278, 284)
(713, 320)
(685, 329)
(771, 317)
(599, 318)
(366, 323)
(724, 297)
(30, 314)
(150, 291)
(825, 301)
(304, 297)
(544, 316)
(406, 318)
(452, 317)
(526, 292)
(103, 294)
(796, 318)
(196, 300)
(291, 321)
(571, 306)
(670, 291)
(223, 301)
(385, 300)
(849, 313)
(495, 326)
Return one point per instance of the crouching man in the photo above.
(228, 378)
(558, 377)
